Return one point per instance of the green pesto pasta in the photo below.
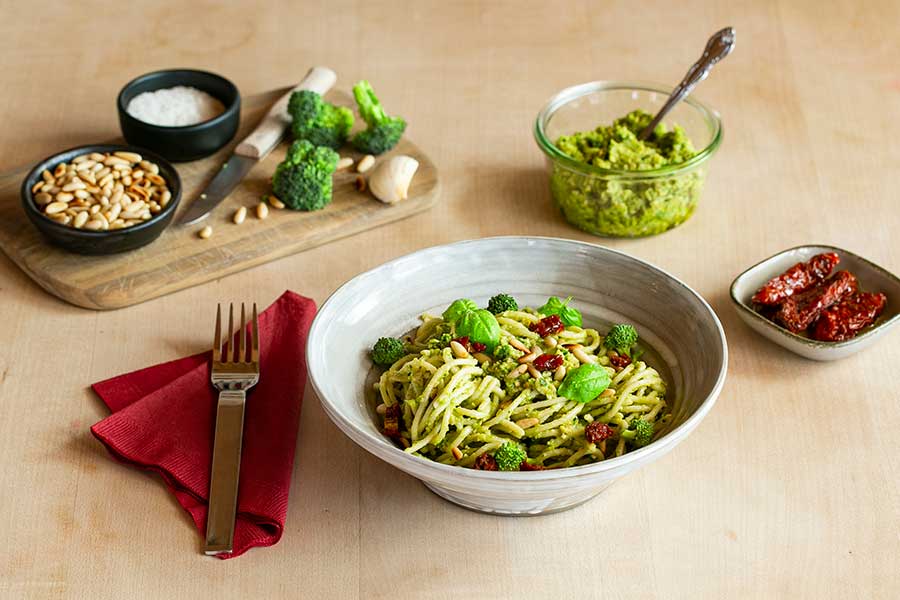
(450, 400)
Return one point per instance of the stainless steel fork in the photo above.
(235, 369)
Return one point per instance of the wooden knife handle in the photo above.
(271, 129)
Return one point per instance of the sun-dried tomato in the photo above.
(486, 462)
(800, 311)
(548, 362)
(392, 421)
(527, 466)
(798, 278)
(619, 361)
(470, 346)
(547, 325)
(597, 432)
(846, 318)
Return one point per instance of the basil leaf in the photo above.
(480, 326)
(584, 383)
(457, 308)
(570, 317)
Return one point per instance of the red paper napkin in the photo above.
(164, 420)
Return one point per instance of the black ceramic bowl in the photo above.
(191, 141)
(84, 241)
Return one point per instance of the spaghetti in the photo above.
(458, 402)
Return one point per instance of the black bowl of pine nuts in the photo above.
(101, 199)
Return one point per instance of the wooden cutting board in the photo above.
(179, 259)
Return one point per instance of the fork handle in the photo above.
(225, 474)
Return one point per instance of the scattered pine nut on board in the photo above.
(179, 258)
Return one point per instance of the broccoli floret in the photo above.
(387, 351)
(621, 338)
(382, 132)
(318, 121)
(643, 431)
(303, 179)
(501, 303)
(510, 457)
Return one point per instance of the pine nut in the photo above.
(581, 355)
(55, 207)
(94, 225)
(37, 187)
(482, 358)
(456, 452)
(205, 233)
(515, 343)
(520, 370)
(530, 357)
(43, 198)
(60, 170)
(381, 409)
(83, 165)
(61, 219)
(95, 209)
(239, 215)
(560, 373)
(262, 210)
(164, 199)
(113, 213)
(459, 350)
(80, 219)
(64, 197)
(130, 157)
(608, 393)
(344, 163)
(275, 202)
(97, 156)
(365, 163)
(526, 423)
(82, 194)
(534, 372)
(80, 159)
(154, 178)
(550, 341)
(47, 177)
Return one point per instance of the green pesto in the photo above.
(626, 207)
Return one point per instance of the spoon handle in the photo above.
(717, 48)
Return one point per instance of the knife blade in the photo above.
(254, 147)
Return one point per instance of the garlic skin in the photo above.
(390, 178)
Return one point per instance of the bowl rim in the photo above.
(397, 457)
(574, 92)
(217, 120)
(799, 339)
(29, 206)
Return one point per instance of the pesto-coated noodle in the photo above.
(455, 407)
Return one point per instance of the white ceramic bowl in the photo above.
(607, 286)
(872, 278)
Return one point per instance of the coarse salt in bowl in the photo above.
(607, 287)
(176, 106)
(187, 142)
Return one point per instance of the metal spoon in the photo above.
(718, 47)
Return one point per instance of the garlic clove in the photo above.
(390, 178)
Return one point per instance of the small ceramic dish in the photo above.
(189, 142)
(84, 241)
(872, 278)
(606, 285)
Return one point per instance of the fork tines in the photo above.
(247, 337)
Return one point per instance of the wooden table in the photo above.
(788, 489)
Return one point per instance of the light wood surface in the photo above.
(788, 489)
(179, 259)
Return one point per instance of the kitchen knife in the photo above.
(255, 147)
